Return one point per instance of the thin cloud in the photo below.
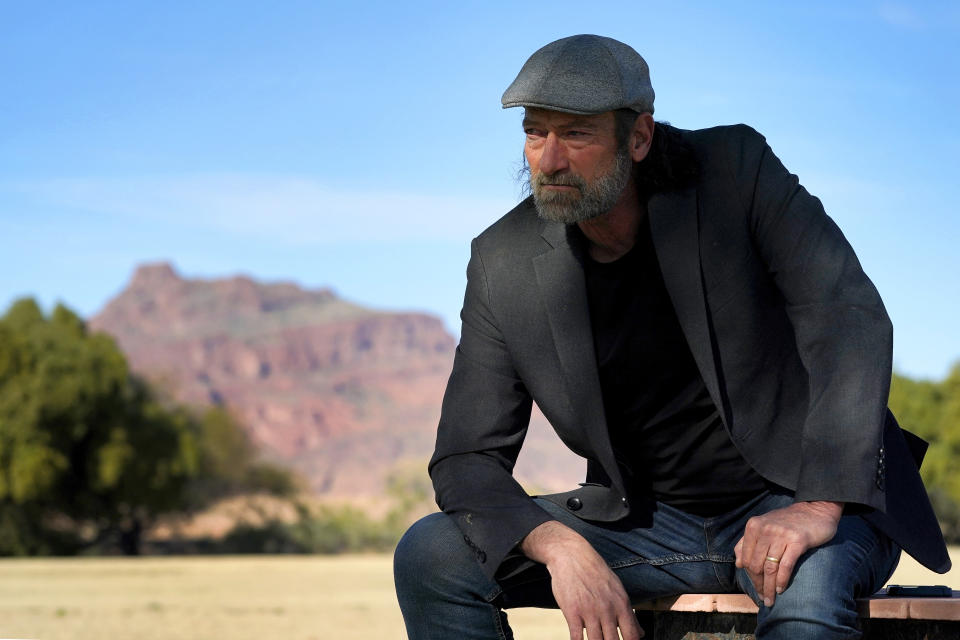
(901, 15)
(291, 210)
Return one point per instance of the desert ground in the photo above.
(238, 598)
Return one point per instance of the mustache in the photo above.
(540, 179)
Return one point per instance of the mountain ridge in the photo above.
(341, 393)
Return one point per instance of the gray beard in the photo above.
(592, 200)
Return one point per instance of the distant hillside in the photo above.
(340, 392)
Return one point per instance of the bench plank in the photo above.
(879, 605)
(732, 616)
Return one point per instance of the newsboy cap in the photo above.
(583, 74)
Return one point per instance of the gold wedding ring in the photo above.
(773, 560)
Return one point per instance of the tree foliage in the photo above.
(229, 463)
(81, 440)
(89, 454)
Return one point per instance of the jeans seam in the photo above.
(715, 557)
(498, 621)
(672, 559)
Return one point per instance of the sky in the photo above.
(361, 145)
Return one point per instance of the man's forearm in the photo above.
(553, 540)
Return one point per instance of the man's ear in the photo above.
(641, 137)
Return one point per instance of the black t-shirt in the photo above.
(664, 427)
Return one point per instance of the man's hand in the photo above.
(773, 542)
(589, 594)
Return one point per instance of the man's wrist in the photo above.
(826, 507)
(551, 540)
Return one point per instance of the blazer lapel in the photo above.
(564, 291)
(676, 238)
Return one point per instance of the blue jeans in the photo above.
(443, 593)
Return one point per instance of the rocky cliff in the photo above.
(340, 392)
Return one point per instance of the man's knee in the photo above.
(818, 602)
(854, 564)
(418, 547)
(431, 552)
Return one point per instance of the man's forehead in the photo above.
(562, 119)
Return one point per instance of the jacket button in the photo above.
(574, 504)
(626, 505)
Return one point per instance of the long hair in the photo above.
(670, 163)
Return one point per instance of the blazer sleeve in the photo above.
(843, 334)
(483, 421)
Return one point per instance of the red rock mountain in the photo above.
(341, 393)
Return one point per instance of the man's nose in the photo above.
(554, 156)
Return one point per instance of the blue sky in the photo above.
(361, 145)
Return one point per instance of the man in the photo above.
(692, 323)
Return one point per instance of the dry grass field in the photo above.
(236, 598)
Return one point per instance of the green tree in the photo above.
(229, 463)
(83, 443)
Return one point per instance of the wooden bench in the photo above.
(733, 616)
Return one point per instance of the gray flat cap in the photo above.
(583, 74)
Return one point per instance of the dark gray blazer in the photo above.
(790, 336)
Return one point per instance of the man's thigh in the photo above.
(672, 552)
(675, 552)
